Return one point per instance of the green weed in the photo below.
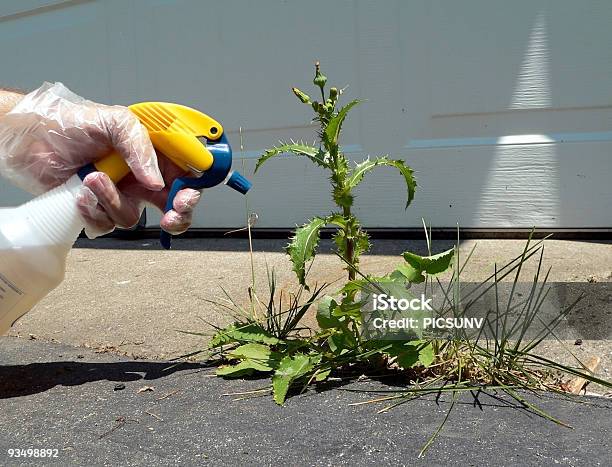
(268, 336)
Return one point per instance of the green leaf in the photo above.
(334, 126)
(290, 369)
(349, 308)
(406, 353)
(435, 264)
(235, 371)
(363, 286)
(342, 342)
(361, 169)
(339, 239)
(417, 265)
(303, 245)
(243, 368)
(340, 170)
(322, 375)
(373, 284)
(408, 358)
(364, 167)
(361, 240)
(408, 273)
(242, 333)
(426, 355)
(412, 353)
(251, 351)
(253, 357)
(339, 236)
(325, 317)
(331, 316)
(299, 149)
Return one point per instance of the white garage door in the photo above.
(503, 108)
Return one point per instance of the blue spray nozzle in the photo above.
(239, 183)
(218, 173)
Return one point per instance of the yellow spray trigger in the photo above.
(174, 131)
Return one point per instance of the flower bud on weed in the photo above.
(305, 98)
(319, 79)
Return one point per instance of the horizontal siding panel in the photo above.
(504, 110)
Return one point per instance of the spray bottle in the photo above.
(35, 238)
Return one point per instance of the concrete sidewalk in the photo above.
(132, 296)
(60, 397)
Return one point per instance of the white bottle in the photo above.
(35, 239)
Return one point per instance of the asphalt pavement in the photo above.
(97, 408)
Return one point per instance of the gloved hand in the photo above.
(51, 133)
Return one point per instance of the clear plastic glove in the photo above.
(51, 133)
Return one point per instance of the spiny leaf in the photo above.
(334, 126)
(337, 219)
(364, 167)
(361, 240)
(340, 170)
(303, 245)
(339, 239)
(290, 369)
(362, 243)
(239, 332)
(299, 149)
(342, 197)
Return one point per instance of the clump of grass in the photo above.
(506, 360)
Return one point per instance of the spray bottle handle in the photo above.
(218, 173)
(191, 139)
